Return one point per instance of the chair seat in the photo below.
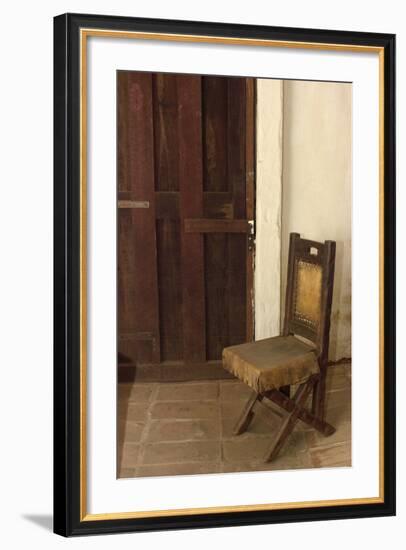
(271, 363)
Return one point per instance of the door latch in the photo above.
(251, 235)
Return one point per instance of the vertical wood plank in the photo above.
(166, 154)
(122, 132)
(166, 136)
(188, 290)
(215, 113)
(216, 268)
(125, 286)
(170, 289)
(237, 244)
(125, 231)
(136, 175)
(191, 206)
(236, 139)
(215, 169)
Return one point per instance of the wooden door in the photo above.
(185, 205)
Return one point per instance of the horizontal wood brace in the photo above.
(216, 205)
(136, 336)
(133, 204)
(208, 225)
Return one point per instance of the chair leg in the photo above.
(247, 414)
(319, 396)
(285, 390)
(300, 397)
(306, 416)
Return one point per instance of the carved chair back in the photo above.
(309, 292)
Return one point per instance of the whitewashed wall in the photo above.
(304, 146)
(268, 207)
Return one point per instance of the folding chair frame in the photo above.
(323, 255)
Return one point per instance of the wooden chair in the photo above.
(297, 357)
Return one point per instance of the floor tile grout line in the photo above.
(221, 400)
(329, 446)
(145, 431)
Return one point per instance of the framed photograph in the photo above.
(224, 274)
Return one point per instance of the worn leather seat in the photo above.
(271, 363)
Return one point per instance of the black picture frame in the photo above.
(67, 381)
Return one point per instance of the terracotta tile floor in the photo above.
(186, 428)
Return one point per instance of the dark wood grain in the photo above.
(126, 290)
(191, 205)
(166, 153)
(166, 137)
(247, 414)
(170, 288)
(215, 171)
(207, 225)
(283, 401)
(224, 161)
(138, 294)
(237, 244)
(288, 424)
(195, 196)
(250, 161)
(167, 205)
(218, 204)
(215, 137)
(319, 393)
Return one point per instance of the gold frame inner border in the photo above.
(173, 37)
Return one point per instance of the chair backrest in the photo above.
(309, 291)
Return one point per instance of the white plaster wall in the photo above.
(304, 186)
(268, 207)
(316, 196)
